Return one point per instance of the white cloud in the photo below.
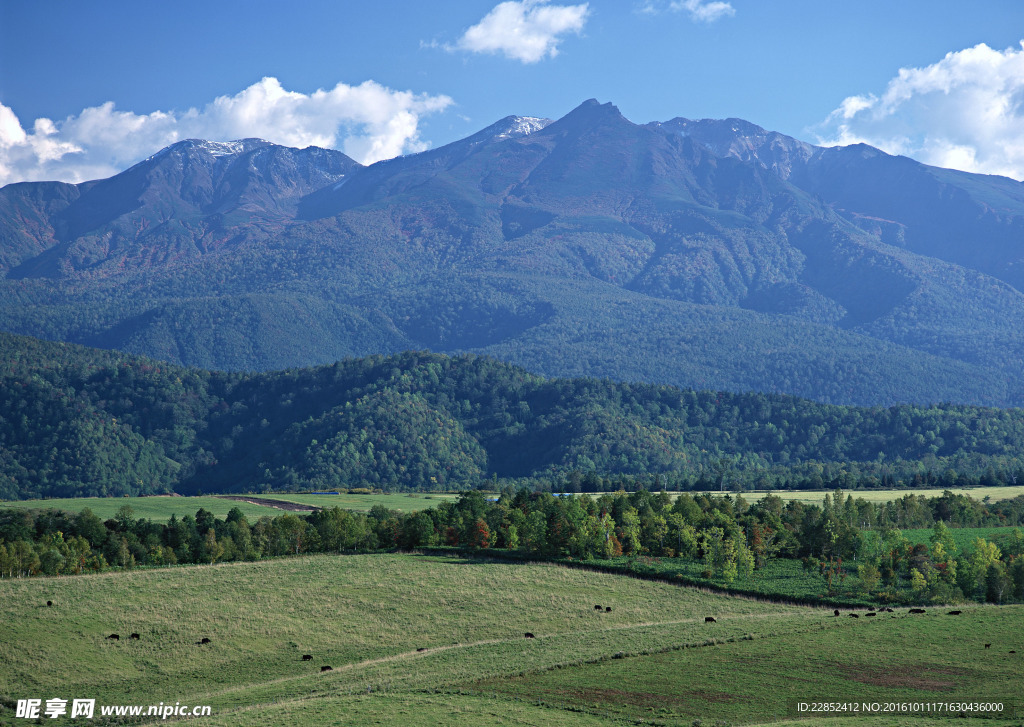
(704, 11)
(964, 112)
(369, 122)
(525, 30)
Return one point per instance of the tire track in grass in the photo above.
(411, 655)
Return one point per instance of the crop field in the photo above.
(440, 640)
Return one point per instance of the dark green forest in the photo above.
(79, 422)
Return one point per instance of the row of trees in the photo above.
(728, 536)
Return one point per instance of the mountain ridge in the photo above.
(708, 246)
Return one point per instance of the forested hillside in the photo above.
(78, 422)
(698, 254)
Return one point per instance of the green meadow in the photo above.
(440, 640)
(408, 502)
(158, 508)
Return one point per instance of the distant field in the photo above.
(815, 497)
(161, 508)
(158, 509)
(435, 640)
(409, 502)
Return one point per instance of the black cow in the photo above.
(307, 657)
(134, 636)
(954, 613)
(853, 615)
(988, 646)
(114, 637)
(608, 609)
(598, 608)
(422, 648)
(529, 635)
(917, 610)
(325, 668)
(49, 603)
(202, 641)
(710, 620)
(836, 612)
(870, 613)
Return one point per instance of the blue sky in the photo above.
(87, 89)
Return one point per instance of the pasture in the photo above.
(428, 639)
(403, 502)
(159, 508)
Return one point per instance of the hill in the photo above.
(80, 422)
(699, 254)
(428, 639)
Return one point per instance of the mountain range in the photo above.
(705, 254)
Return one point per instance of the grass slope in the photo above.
(367, 616)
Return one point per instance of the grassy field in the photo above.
(158, 508)
(437, 640)
(409, 502)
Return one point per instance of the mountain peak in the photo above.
(213, 148)
(510, 127)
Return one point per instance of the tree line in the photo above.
(845, 540)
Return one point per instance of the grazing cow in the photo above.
(608, 609)
(870, 613)
(988, 646)
(871, 608)
(529, 635)
(954, 613)
(134, 636)
(114, 637)
(710, 620)
(1013, 651)
(853, 615)
(202, 641)
(598, 608)
(325, 668)
(422, 648)
(307, 657)
(49, 603)
(836, 612)
(917, 610)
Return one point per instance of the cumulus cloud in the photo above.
(369, 122)
(964, 112)
(704, 11)
(525, 30)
